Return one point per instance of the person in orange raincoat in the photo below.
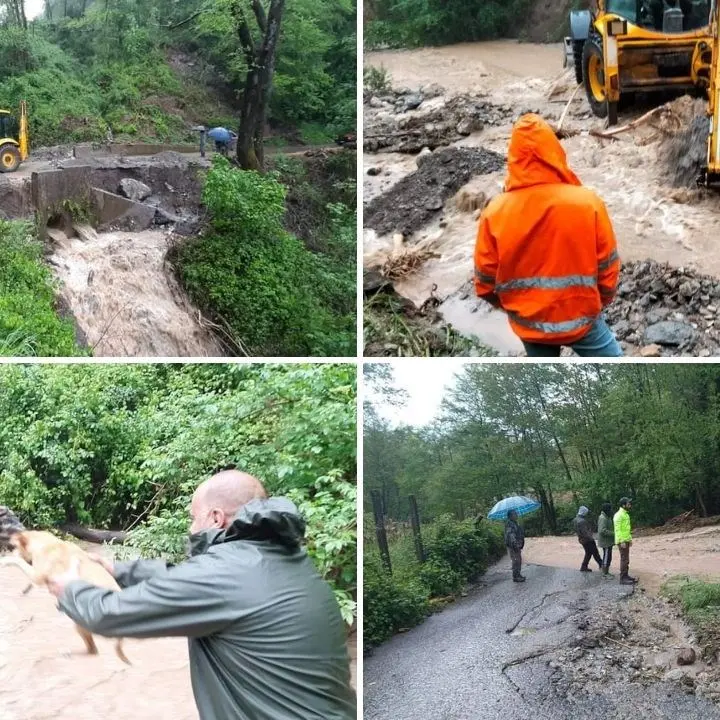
(546, 252)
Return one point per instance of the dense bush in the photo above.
(85, 67)
(414, 23)
(277, 297)
(120, 445)
(29, 324)
(455, 554)
(389, 604)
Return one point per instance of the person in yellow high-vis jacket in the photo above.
(623, 539)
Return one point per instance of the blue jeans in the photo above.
(599, 342)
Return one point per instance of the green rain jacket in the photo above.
(266, 638)
(621, 522)
(606, 531)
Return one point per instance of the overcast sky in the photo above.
(425, 383)
(33, 8)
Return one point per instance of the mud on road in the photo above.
(654, 219)
(45, 673)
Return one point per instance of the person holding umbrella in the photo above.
(510, 509)
(586, 539)
(515, 542)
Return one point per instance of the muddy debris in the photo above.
(399, 123)
(629, 642)
(665, 311)
(684, 147)
(395, 327)
(417, 198)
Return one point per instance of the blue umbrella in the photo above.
(220, 134)
(521, 505)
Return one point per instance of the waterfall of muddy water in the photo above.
(122, 297)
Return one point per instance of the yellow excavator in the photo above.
(13, 139)
(624, 47)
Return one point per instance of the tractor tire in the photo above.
(9, 158)
(578, 59)
(593, 68)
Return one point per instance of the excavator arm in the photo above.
(711, 173)
(23, 138)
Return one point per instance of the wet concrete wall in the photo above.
(87, 152)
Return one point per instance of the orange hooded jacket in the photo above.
(545, 251)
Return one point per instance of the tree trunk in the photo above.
(258, 83)
(116, 537)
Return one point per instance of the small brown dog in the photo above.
(41, 556)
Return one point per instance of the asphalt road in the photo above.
(463, 664)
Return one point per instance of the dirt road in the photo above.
(46, 675)
(651, 219)
(653, 558)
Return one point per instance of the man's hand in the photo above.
(56, 585)
(109, 565)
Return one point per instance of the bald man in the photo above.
(266, 638)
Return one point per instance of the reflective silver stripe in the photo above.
(605, 264)
(489, 279)
(549, 283)
(554, 328)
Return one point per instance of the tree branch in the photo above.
(260, 15)
(243, 33)
(187, 20)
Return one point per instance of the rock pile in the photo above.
(404, 122)
(416, 199)
(661, 310)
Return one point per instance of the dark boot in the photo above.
(632, 579)
(585, 569)
(519, 578)
(626, 580)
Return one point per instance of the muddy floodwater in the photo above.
(123, 296)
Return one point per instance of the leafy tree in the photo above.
(125, 446)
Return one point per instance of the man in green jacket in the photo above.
(266, 638)
(606, 537)
(623, 538)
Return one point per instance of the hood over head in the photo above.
(274, 519)
(535, 156)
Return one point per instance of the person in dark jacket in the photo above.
(266, 638)
(586, 539)
(515, 542)
(606, 537)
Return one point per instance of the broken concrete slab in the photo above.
(115, 212)
(134, 189)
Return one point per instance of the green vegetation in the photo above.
(274, 295)
(565, 434)
(134, 67)
(29, 324)
(417, 23)
(124, 446)
(455, 552)
(700, 604)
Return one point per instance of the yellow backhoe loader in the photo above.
(13, 139)
(624, 47)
